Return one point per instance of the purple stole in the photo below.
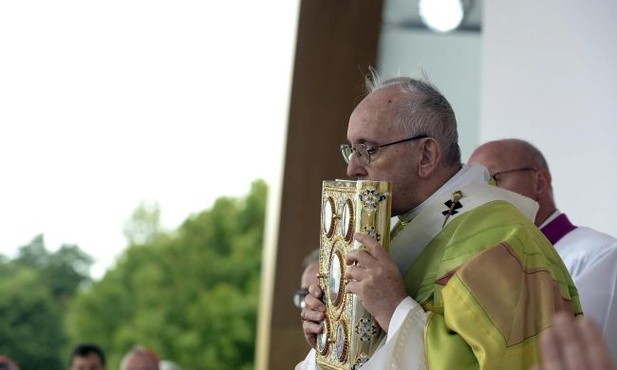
(558, 228)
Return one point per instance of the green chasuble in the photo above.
(491, 283)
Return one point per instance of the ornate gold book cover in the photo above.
(350, 334)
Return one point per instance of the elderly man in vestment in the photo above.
(469, 281)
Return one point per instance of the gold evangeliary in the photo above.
(350, 334)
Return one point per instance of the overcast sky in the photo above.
(107, 104)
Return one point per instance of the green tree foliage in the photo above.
(31, 325)
(145, 225)
(34, 290)
(190, 295)
(62, 271)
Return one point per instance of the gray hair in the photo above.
(425, 111)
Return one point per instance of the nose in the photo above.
(355, 170)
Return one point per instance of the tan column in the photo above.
(337, 42)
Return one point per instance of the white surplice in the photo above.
(591, 258)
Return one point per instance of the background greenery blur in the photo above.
(191, 294)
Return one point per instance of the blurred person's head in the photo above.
(311, 269)
(7, 363)
(520, 167)
(308, 278)
(140, 358)
(87, 356)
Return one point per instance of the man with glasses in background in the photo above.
(469, 281)
(308, 278)
(589, 255)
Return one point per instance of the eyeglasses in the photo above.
(298, 297)
(496, 180)
(364, 151)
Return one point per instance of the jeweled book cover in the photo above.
(350, 334)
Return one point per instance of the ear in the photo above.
(543, 185)
(430, 155)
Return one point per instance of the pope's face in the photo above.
(371, 123)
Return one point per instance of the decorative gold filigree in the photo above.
(366, 329)
(372, 232)
(370, 198)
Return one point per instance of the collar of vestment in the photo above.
(556, 227)
(415, 229)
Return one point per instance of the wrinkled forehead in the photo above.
(373, 118)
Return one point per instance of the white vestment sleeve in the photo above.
(597, 287)
(309, 363)
(403, 348)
